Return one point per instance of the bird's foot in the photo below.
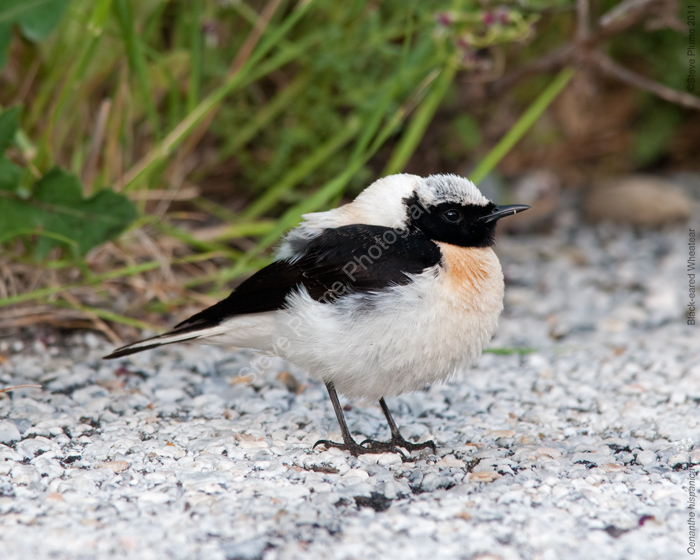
(398, 443)
(356, 449)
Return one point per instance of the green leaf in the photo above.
(12, 10)
(10, 175)
(59, 214)
(37, 18)
(9, 123)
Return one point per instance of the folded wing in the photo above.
(361, 258)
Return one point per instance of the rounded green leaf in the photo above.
(36, 18)
(59, 214)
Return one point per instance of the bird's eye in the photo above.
(452, 216)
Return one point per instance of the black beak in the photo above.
(503, 211)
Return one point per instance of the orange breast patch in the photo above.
(469, 268)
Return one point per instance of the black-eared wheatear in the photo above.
(395, 290)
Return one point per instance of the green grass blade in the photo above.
(321, 197)
(30, 231)
(271, 196)
(331, 189)
(196, 42)
(111, 275)
(210, 103)
(520, 351)
(418, 125)
(248, 229)
(522, 126)
(14, 13)
(137, 60)
(262, 118)
(186, 237)
(95, 29)
(108, 315)
(224, 214)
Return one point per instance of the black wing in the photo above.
(348, 259)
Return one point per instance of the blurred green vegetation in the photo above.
(247, 111)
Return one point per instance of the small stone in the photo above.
(450, 461)
(290, 382)
(253, 444)
(695, 457)
(498, 434)
(9, 432)
(640, 200)
(433, 481)
(612, 467)
(154, 497)
(678, 397)
(356, 472)
(387, 459)
(548, 452)
(115, 466)
(484, 476)
(171, 394)
(646, 457)
(678, 459)
(246, 550)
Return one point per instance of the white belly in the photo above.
(396, 341)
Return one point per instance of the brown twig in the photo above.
(548, 63)
(189, 192)
(610, 68)
(582, 20)
(7, 389)
(618, 19)
(260, 25)
(624, 13)
(583, 52)
(98, 323)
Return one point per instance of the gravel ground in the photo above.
(582, 448)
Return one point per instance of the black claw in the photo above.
(374, 446)
(400, 442)
(395, 445)
(416, 446)
(351, 447)
(359, 449)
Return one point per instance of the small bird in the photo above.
(381, 296)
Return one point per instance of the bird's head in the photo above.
(451, 209)
(445, 208)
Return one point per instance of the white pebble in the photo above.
(646, 457)
(8, 431)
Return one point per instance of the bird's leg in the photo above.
(397, 439)
(350, 444)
